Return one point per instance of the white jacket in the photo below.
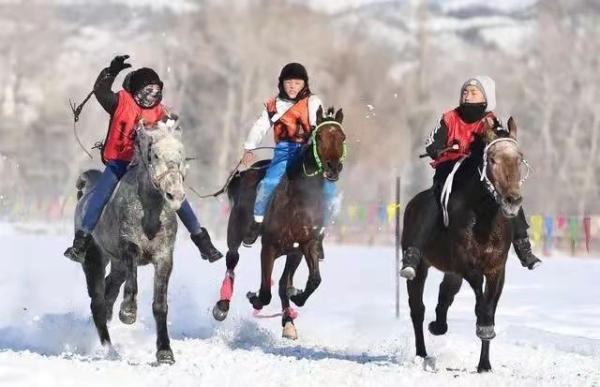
(263, 124)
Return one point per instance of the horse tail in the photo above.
(86, 181)
(233, 188)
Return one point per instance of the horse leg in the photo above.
(417, 308)
(285, 283)
(221, 308)
(235, 227)
(311, 254)
(94, 270)
(128, 311)
(486, 317)
(267, 258)
(448, 288)
(114, 280)
(162, 272)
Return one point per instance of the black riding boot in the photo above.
(521, 242)
(523, 249)
(319, 247)
(411, 258)
(81, 242)
(207, 250)
(251, 236)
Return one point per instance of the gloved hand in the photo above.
(118, 64)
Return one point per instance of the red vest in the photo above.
(461, 132)
(293, 125)
(119, 140)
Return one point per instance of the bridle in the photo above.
(315, 150)
(155, 181)
(483, 171)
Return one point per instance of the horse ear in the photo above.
(176, 129)
(339, 116)
(319, 114)
(512, 128)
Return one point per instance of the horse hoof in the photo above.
(429, 363)
(408, 272)
(110, 352)
(485, 332)
(298, 299)
(220, 311)
(484, 368)
(438, 328)
(254, 300)
(127, 316)
(165, 356)
(289, 331)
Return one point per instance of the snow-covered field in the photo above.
(547, 324)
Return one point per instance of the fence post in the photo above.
(397, 204)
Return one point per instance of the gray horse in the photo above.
(137, 227)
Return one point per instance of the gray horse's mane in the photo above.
(164, 137)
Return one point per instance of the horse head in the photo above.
(501, 170)
(328, 142)
(160, 149)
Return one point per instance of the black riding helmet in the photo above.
(293, 71)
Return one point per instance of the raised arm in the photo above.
(103, 86)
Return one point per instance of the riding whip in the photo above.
(76, 112)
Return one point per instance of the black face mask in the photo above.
(471, 112)
(149, 96)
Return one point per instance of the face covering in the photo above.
(471, 112)
(149, 96)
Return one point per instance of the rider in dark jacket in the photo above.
(448, 143)
(140, 98)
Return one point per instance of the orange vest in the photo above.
(119, 140)
(459, 132)
(293, 125)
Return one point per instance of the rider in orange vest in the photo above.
(140, 98)
(448, 143)
(292, 115)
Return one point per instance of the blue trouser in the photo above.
(285, 152)
(103, 190)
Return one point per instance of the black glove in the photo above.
(118, 64)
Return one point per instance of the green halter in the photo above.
(313, 139)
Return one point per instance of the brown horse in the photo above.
(294, 220)
(475, 244)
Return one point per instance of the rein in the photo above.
(315, 152)
(229, 178)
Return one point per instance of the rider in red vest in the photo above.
(140, 98)
(448, 143)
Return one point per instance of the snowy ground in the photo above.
(547, 324)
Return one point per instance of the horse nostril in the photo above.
(514, 200)
(169, 196)
(340, 167)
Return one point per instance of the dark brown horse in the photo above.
(294, 220)
(475, 244)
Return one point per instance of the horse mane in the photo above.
(329, 116)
